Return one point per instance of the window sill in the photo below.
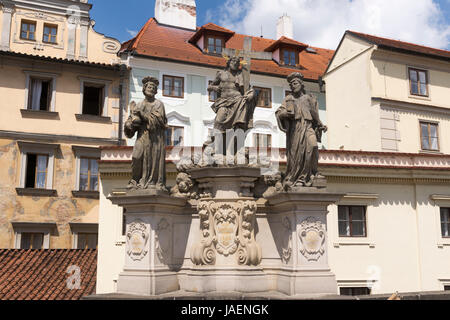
(354, 242)
(430, 152)
(36, 192)
(26, 113)
(419, 97)
(92, 118)
(86, 194)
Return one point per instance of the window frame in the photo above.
(50, 25)
(269, 90)
(256, 140)
(417, 70)
(95, 82)
(350, 221)
(82, 228)
(429, 136)
(209, 92)
(352, 289)
(447, 222)
(33, 227)
(90, 153)
(30, 22)
(215, 37)
(36, 168)
(173, 87)
(175, 127)
(297, 57)
(43, 76)
(37, 148)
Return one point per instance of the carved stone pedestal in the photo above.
(303, 242)
(151, 264)
(225, 254)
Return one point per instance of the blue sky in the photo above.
(316, 22)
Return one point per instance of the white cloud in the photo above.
(323, 22)
(132, 33)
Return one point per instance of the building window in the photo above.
(352, 221)
(429, 136)
(262, 140)
(354, 291)
(174, 136)
(264, 97)
(93, 99)
(32, 241)
(418, 82)
(28, 30)
(447, 288)
(39, 94)
(173, 86)
(87, 240)
(212, 95)
(88, 174)
(50, 33)
(36, 171)
(214, 45)
(445, 222)
(289, 57)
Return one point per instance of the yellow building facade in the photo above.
(61, 89)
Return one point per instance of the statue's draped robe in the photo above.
(299, 118)
(233, 112)
(149, 152)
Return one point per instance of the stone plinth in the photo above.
(151, 262)
(225, 254)
(302, 214)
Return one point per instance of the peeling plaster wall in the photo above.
(62, 209)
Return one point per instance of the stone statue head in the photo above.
(150, 86)
(184, 182)
(295, 80)
(233, 63)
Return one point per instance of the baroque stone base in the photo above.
(147, 283)
(211, 279)
(300, 282)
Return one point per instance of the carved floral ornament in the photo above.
(286, 249)
(137, 239)
(227, 228)
(312, 239)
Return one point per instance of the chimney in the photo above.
(285, 27)
(177, 13)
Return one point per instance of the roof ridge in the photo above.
(390, 39)
(141, 33)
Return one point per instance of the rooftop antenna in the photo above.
(262, 31)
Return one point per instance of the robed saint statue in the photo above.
(298, 117)
(148, 120)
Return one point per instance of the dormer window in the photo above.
(214, 44)
(50, 32)
(28, 30)
(289, 57)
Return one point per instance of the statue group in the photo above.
(234, 107)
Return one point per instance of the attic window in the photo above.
(214, 44)
(289, 57)
(311, 50)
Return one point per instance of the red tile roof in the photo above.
(287, 41)
(171, 43)
(401, 45)
(211, 27)
(42, 274)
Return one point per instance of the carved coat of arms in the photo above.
(312, 239)
(137, 238)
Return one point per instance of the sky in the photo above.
(319, 23)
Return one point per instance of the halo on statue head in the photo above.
(236, 55)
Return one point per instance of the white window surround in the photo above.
(33, 227)
(40, 75)
(105, 83)
(355, 199)
(37, 148)
(77, 228)
(444, 283)
(263, 127)
(174, 119)
(81, 152)
(370, 283)
(440, 201)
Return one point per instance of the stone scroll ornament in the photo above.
(137, 239)
(312, 239)
(227, 228)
